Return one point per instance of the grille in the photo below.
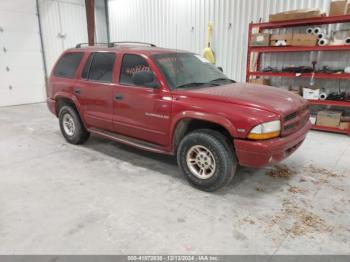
(291, 116)
(295, 121)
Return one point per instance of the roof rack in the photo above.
(112, 44)
(81, 44)
(131, 42)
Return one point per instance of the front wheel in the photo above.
(206, 159)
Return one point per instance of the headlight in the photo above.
(266, 130)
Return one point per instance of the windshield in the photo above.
(188, 70)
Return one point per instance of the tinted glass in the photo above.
(68, 64)
(181, 69)
(130, 65)
(102, 67)
(85, 73)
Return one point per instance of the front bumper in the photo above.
(51, 104)
(261, 153)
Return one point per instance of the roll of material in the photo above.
(347, 41)
(281, 43)
(318, 30)
(323, 42)
(322, 36)
(323, 96)
(310, 30)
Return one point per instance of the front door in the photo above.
(95, 90)
(140, 112)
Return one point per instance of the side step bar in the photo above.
(130, 141)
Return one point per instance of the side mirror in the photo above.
(220, 68)
(145, 78)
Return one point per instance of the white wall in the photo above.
(21, 66)
(63, 26)
(182, 24)
(101, 22)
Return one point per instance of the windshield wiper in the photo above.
(222, 79)
(195, 84)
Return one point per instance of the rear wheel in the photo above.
(206, 159)
(71, 126)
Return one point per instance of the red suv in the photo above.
(175, 102)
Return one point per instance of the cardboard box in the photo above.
(345, 119)
(260, 81)
(347, 8)
(309, 93)
(328, 118)
(304, 40)
(260, 40)
(313, 119)
(338, 7)
(284, 37)
(295, 15)
(344, 125)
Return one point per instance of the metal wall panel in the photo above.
(182, 24)
(21, 65)
(63, 26)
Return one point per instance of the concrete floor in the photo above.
(106, 198)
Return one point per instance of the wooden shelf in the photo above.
(324, 20)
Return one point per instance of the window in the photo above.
(130, 65)
(99, 67)
(181, 69)
(85, 73)
(68, 64)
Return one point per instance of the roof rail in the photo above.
(112, 44)
(81, 44)
(131, 42)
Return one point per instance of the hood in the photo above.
(258, 96)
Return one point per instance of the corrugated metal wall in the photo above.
(63, 26)
(182, 24)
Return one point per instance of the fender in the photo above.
(217, 119)
(75, 101)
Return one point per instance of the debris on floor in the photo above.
(320, 171)
(259, 189)
(281, 171)
(295, 189)
(303, 220)
(306, 221)
(248, 220)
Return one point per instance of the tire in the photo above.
(218, 166)
(78, 133)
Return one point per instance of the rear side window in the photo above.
(68, 65)
(130, 65)
(99, 67)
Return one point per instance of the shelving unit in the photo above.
(273, 49)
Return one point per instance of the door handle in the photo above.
(77, 91)
(118, 97)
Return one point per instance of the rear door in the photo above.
(141, 112)
(95, 88)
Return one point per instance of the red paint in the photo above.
(152, 115)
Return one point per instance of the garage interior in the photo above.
(104, 197)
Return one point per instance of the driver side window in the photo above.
(132, 64)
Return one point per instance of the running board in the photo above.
(130, 141)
